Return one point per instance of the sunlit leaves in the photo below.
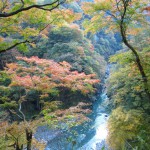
(28, 25)
(110, 13)
(128, 123)
(122, 58)
(94, 24)
(62, 17)
(128, 99)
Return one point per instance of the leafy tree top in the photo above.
(19, 22)
(46, 75)
(110, 13)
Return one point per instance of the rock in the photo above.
(102, 146)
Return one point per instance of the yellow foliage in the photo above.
(122, 126)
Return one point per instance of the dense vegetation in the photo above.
(39, 85)
(128, 100)
(53, 66)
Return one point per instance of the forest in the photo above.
(74, 75)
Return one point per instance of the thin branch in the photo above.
(12, 135)
(22, 3)
(117, 3)
(27, 41)
(112, 15)
(44, 28)
(22, 112)
(4, 15)
(15, 114)
(16, 44)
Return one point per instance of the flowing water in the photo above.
(97, 142)
(91, 136)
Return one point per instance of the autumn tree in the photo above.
(124, 16)
(128, 129)
(21, 26)
(19, 135)
(68, 43)
(128, 125)
(47, 77)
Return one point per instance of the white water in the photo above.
(100, 128)
(93, 140)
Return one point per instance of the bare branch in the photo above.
(21, 112)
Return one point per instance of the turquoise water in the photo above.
(90, 136)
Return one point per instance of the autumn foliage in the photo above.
(46, 75)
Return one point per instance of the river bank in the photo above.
(89, 136)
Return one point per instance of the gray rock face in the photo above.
(45, 134)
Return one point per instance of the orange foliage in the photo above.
(147, 8)
(44, 75)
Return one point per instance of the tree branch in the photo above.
(112, 15)
(4, 15)
(16, 44)
(15, 114)
(22, 3)
(117, 3)
(21, 112)
(137, 58)
(27, 41)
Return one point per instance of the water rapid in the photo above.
(97, 142)
(91, 135)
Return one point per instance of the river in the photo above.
(97, 142)
(90, 136)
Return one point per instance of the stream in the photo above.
(90, 136)
(97, 142)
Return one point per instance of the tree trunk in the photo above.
(17, 146)
(138, 61)
(28, 138)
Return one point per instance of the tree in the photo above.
(21, 26)
(126, 16)
(128, 124)
(46, 77)
(19, 135)
(18, 7)
(124, 87)
(68, 44)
